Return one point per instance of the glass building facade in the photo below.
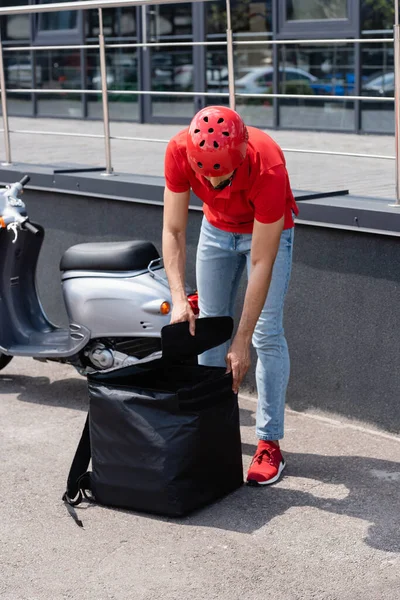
(308, 69)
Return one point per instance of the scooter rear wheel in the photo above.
(4, 360)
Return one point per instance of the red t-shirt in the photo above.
(260, 188)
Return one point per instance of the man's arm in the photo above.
(176, 207)
(264, 248)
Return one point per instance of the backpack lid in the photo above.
(178, 343)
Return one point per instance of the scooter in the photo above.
(116, 296)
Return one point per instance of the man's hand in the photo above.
(182, 312)
(238, 361)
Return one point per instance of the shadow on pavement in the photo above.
(354, 486)
(68, 393)
(369, 490)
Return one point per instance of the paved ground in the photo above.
(330, 530)
(362, 176)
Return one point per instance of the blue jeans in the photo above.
(221, 258)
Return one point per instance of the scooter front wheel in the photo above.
(4, 360)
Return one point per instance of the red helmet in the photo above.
(216, 141)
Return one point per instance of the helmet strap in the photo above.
(225, 183)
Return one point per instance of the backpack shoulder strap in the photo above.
(73, 494)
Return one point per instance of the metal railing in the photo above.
(229, 43)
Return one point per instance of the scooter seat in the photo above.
(109, 256)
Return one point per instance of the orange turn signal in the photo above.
(165, 308)
(2, 223)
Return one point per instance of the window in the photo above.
(58, 70)
(377, 66)
(248, 17)
(127, 21)
(117, 22)
(16, 27)
(169, 20)
(321, 70)
(58, 21)
(122, 75)
(312, 18)
(58, 27)
(315, 10)
(122, 63)
(18, 74)
(377, 16)
(171, 69)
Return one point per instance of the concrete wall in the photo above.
(342, 311)
(343, 325)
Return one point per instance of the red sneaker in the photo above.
(267, 464)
